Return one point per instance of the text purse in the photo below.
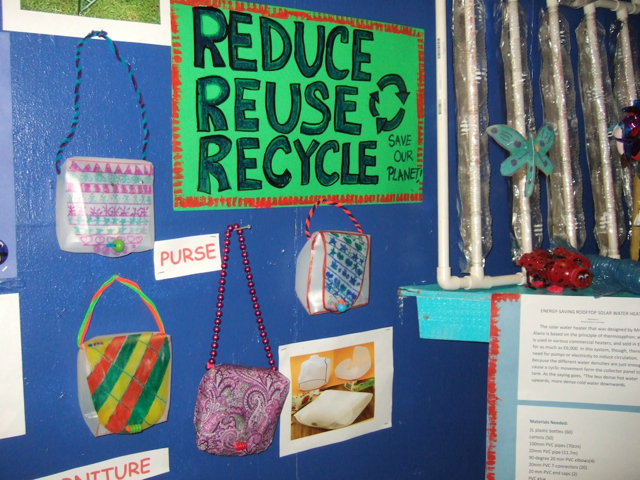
(237, 407)
(124, 380)
(333, 268)
(104, 205)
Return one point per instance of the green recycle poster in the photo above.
(280, 107)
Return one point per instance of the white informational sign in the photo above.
(585, 444)
(576, 349)
(341, 388)
(15, 19)
(564, 388)
(186, 256)
(132, 467)
(12, 421)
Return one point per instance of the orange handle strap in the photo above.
(128, 283)
(307, 223)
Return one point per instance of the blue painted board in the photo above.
(439, 388)
(8, 255)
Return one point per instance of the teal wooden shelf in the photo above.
(462, 314)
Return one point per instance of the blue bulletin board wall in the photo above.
(439, 388)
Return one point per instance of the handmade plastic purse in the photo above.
(124, 380)
(333, 268)
(353, 368)
(237, 407)
(104, 205)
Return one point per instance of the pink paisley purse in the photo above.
(237, 407)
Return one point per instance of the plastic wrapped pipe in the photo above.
(611, 275)
(470, 79)
(566, 215)
(526, 216)
(625, 86)
(625, 89)
(626, 76)
(446, 280)
(599, 111)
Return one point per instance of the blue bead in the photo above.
(342, 306)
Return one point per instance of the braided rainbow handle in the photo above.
(307, 223)
(127, 283)
(76, 92)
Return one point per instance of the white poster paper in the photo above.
(580, 349)
(186, 256)
(132, 467)
(585, 444)
(12, 421)
(341, 388)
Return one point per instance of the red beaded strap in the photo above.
(252, 291)
(307, 223)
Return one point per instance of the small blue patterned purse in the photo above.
(333, 268)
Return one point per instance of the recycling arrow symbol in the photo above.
(384, 124)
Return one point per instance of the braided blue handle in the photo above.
(76, 101)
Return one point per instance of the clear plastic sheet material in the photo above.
(526, 215)
(470, 78)
(566, 215)
(612, 275)
(599, 112)
(105, 206)
(626, 78)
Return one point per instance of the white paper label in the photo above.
(12, 422)
(131, 467)
(186, 256)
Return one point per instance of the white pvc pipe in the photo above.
(445, 279)
(520, 178)
(605, 147)
(442, 135)
(617, 6)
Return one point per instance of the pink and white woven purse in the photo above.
(104, 205)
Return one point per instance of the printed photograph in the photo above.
(331, 390)
(145, 11)
(139, 21)
(340, 388)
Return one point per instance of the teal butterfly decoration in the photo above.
(531, 153)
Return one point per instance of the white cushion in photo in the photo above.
(334, 409)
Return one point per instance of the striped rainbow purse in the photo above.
(124, 380)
